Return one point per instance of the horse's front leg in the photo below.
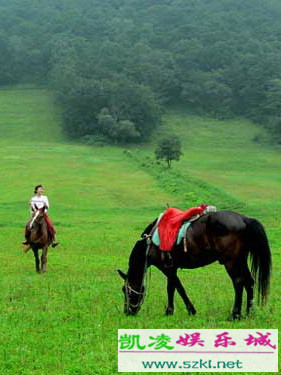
(175, 283)
(171, 287)
(37, 261)
(190, 308)
(44, 259)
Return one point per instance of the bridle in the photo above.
(129, 291)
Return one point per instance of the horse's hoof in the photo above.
(192, 311)
(169, 311)
(233, 317)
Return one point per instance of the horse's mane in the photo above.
(137, 259)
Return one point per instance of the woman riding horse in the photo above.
(37, 202)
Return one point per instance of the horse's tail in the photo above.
(260, 257)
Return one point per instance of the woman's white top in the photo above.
(38, 202)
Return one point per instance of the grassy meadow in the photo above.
(65, 322)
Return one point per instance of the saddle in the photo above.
(173, 224)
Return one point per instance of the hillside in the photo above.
(225, 154)
(65, 322)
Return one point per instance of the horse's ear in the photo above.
(35, 206)
(122, 274)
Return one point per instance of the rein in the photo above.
(33, 220)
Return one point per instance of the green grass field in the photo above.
(65, 322)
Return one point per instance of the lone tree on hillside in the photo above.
(169, 149)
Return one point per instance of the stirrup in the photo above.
(54, 244)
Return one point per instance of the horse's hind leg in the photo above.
(249, 286)
(237, 277)
(37, 262)
(44, 259)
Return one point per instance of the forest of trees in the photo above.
(115, 64)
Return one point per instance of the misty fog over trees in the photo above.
(115, 64)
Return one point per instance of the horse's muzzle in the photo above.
(131, 311)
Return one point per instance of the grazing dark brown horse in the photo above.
(223, 236)
(39, 238)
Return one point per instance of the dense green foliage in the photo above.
(217, 56)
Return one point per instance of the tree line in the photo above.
(116, 64)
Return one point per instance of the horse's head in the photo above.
(37, 217)
(134, 297)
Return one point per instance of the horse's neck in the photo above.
(137, 264)
(44, 228)
(39, 231)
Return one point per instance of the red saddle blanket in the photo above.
(171, 222)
